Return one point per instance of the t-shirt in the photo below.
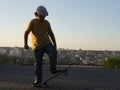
(39, 29)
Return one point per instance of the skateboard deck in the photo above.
(64, 71)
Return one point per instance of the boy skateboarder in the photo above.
(43, 41)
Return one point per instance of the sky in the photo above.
(77, 24)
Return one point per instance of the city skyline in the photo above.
(79, 24)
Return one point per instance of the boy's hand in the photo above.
(26, 47)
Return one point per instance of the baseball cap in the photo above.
(41, 10)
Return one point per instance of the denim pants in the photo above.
(50, 50)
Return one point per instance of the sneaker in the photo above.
(38, 85)
(56, 71)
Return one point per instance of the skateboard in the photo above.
(64, 71)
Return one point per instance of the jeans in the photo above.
(50, 50)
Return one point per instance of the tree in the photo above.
(112, 62)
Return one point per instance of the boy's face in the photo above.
(40, 17)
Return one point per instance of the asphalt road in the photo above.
(21, 77)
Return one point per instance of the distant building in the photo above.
(3, 51)
(15, 52)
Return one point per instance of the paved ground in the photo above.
(20, 77)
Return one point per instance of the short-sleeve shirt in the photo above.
(39, 29)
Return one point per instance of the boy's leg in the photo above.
(38, 65)
(52, 53)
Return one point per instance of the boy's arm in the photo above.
(26, 40)
(53, 38)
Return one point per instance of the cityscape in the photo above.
(65, 56)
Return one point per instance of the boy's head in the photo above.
(41, 12)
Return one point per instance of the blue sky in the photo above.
(77, 24)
